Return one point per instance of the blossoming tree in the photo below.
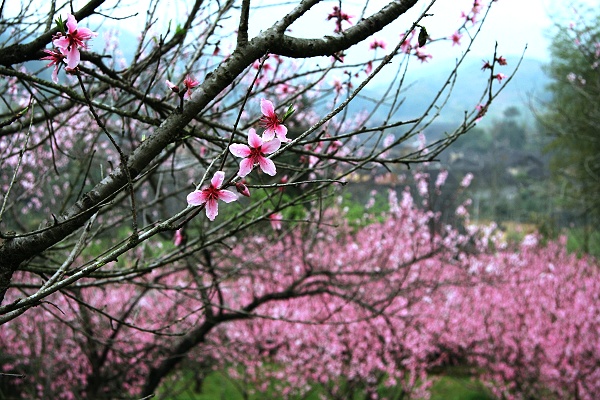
(133, 132)
(98, 159)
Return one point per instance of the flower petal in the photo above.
(281, 132)
(227, 196)
(267, 166)
(62, 43)
(72, 57)
(212, 209)
(55, 74)
(217, 179)
(268, 135)
(245, 167)
(253, 139)
(190, 82)
(271, 146)
(172, 86)
(267, 108)
(196, 198)
(85, 33)
(71, 23)
(240, 150)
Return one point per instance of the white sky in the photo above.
(513, 23)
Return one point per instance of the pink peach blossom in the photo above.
(242, 189)
(172, 86)
(210, 195)
(189, 82)
(70, 43)
(421, 55)
(56, 58)
(179, 237)
(271, 122)
(255, 154)
(339, 16)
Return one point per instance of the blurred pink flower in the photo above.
(377, 44)
(405, 46)
(421, 55)
(481, 110)
(210, 195)
(339, 16)
(284, 179)
(172, 86)
(456, 36)
(466, 181)
(499, 77)
(275, 219)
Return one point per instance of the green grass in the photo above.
(452, 388)
(217, 386)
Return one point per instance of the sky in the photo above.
(513, 23)
(517, 23)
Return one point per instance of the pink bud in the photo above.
(172, 86)
(242, 189)
(179, 237)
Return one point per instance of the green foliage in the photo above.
(180, 30)
(358, 214)
(572, 120)
(584, 240)
(61, 24)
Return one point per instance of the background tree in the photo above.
(572, 117)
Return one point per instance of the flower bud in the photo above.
(242, 189)
(173, 86)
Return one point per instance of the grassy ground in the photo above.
(218, 387)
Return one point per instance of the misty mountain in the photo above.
(525, 90)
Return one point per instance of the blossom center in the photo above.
(212, 193)
(256, 154)
(270, 122)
